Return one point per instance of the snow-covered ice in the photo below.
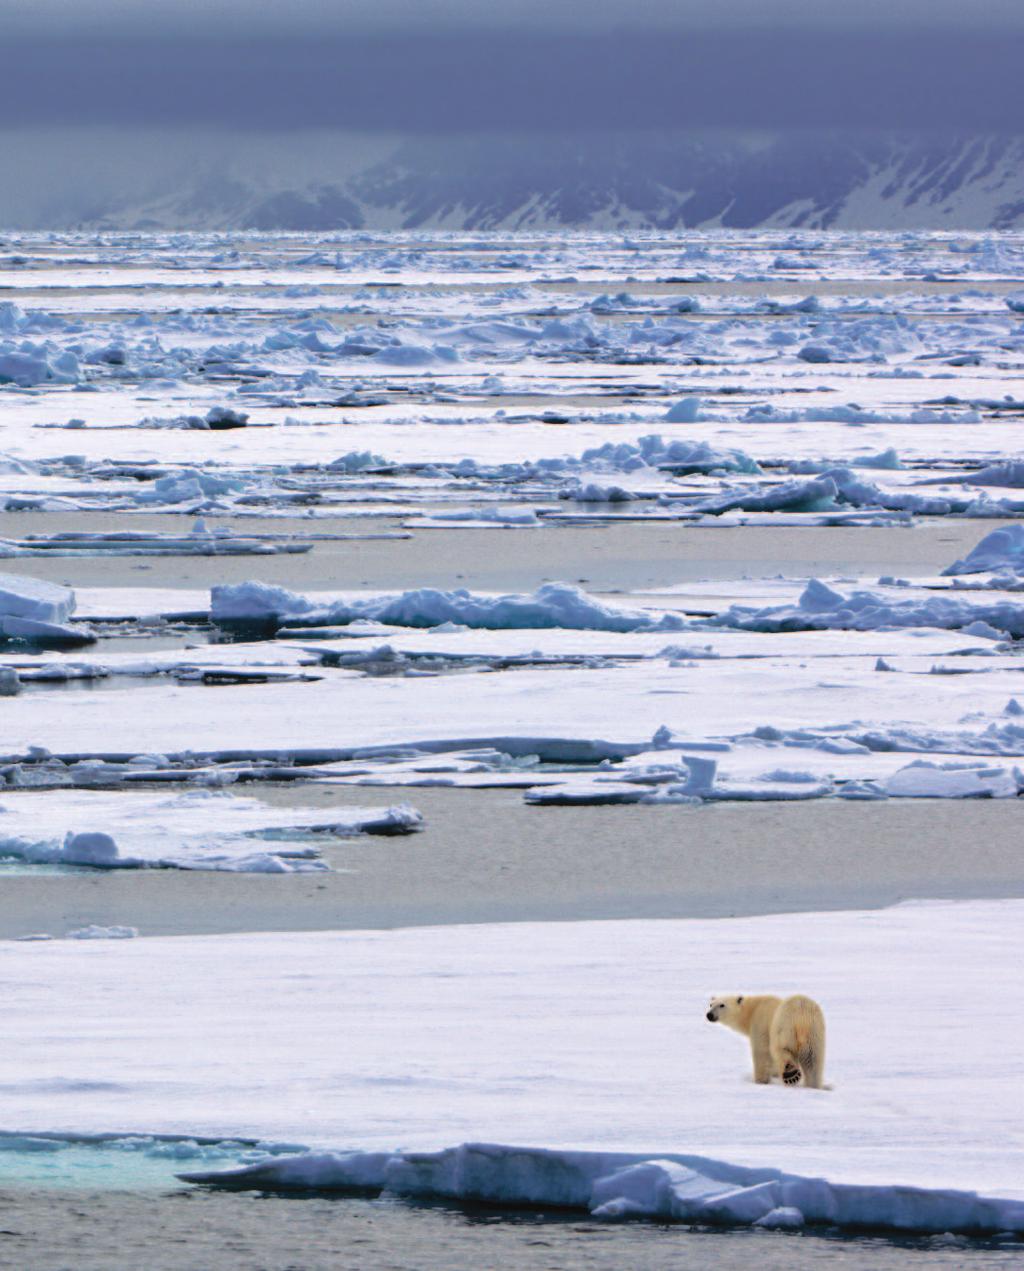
(558, 605)
(575, 1038)
(645, 692)
(821, 606)
(201, 829)
(1000, 552)
(33, 599)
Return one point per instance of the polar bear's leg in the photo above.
(763, 1066)
(785, 1063)
(806, 1066)
(813, 1070)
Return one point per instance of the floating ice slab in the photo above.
(821, 606)
(202, 829)
(1002, 551)
(32, 598)
(795, 697)
(922, 780)
(551, 605)
(487, 518)
(95, 932)
(44, 635)
(515, 1024)
(614, 1186)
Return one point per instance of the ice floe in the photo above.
(559, 605)
(821, 606)
(32, 598)
(621, 1186)
(1002, 551)
(510, 382)
(513, 1025)
(202, 829)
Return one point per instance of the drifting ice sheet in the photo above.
(429, 1037)
(31, 598)
(1002, 551)
(821, 607)
(692, 1189)
(552, 605)
(202, 829)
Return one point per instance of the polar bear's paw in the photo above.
(791, 1074)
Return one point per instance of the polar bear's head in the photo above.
(725, 1010)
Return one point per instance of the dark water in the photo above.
(198, 1230)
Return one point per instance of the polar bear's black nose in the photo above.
(711, 1016)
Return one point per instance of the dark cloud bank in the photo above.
(515, 96)
(523, 80)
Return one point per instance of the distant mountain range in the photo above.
(623, 181)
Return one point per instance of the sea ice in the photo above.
(515, 1023)
(32, 598)
(821, 607)
(94, 932)
(551, 605)
(202, 829)
(1002, 550)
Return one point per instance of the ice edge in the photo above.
(680, 1188)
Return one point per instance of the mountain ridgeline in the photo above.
(627, 181)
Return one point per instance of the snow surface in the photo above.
(399, 1043)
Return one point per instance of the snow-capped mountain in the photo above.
(626, 181)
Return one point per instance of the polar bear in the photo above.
(787, 1037)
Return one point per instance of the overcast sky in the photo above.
(120, 101)
(198, 17)
(439, 65)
